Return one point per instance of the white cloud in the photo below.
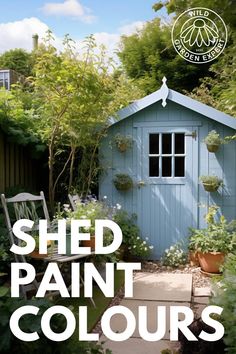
(18, 34)
(111, 40)
(132, 27)
(70, 8)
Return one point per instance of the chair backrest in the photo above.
(25, 206)
(74, 200)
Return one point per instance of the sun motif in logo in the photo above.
(200, 33)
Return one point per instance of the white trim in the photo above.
(156, 124)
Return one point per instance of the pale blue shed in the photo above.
(165, 161)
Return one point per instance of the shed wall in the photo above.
(222, 163)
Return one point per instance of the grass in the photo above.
(102, 302)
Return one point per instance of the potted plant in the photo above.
(123, 142)
(211, 183)
(213, 141)
(35, 254)
(90, 210)
(123, 182)
(212, 243)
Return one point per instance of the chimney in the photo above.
(35, 41)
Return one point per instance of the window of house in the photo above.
(4, 79)
(167, 155)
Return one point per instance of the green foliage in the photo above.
(213, 138)
(10, 344)
(218, 86)
(73, 94)
(213, 181)
(225, 297)
(92, 210)
(123, 142)
(123, 182)
(18, 60)
(18, 122)
(174, 256)
(215, 238)
(148, 55)
(131, 234)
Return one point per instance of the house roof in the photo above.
(165, 93)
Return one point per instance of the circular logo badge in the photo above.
(199, 35)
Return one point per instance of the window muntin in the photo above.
(167, 155)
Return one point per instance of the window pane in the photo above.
(179, 166)
(166, 166)
(179, 144)
(166, 143)
(154, 144)
(154, 166)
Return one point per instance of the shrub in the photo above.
(10, 344)
(174, 256)
(225, 297)
(131, 235)
(215, 238)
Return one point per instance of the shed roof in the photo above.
(165, 93)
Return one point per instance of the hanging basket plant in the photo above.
(123, 142)
(123, 182)
(211, 183)
(213, 141)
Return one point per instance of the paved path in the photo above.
(151, 290)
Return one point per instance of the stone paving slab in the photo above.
(118, 322)
(162, 287)
(202, 292)
(137, 346)
(201, 300)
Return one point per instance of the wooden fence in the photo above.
(17, 168)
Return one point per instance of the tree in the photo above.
(18, 60)
(218, 88)
(72, 96)
(148, 55)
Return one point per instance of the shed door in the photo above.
(167, 185)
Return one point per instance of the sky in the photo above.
(107, 20)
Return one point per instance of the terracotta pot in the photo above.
(35, 254)
(89, 243)
(210, 262)
(210, 187)
(213, 147)
(193, 258)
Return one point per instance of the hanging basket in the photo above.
(213, 147)
(123, 182)
(122, 147)
(210, 187)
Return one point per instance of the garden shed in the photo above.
(165, 157)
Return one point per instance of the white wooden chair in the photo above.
(23, 206)
(27, 206)
(74, 199)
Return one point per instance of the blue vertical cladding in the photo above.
(221, 163)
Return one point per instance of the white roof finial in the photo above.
(164, 91)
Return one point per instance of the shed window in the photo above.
(167, 155)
